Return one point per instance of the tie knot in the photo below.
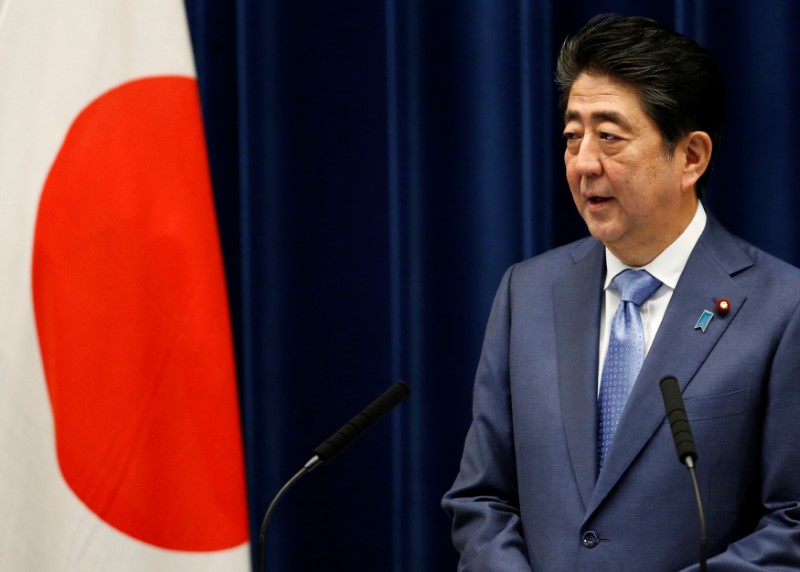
(635, 285)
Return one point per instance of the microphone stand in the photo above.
(307, 468)
(703, 540)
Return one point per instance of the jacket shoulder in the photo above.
(553, 263)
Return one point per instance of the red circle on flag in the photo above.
(131, 311)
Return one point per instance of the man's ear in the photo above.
(697, 149)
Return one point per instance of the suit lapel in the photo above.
(577, 315)
(678, 349)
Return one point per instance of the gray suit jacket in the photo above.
(528, 495)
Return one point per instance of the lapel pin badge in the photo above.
(702, 322)
(723, 306)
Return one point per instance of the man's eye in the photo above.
(570, 136)
(608, 137)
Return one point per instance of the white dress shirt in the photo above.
(666, 267)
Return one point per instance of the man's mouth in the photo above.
(598, 200)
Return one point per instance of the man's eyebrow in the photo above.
(598, 116)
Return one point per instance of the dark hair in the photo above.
(679, 84)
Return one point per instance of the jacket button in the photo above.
(591, 539)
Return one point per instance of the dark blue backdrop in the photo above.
(377, 165)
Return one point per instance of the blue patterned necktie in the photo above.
(625, 353)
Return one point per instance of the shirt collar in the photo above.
(667, 266)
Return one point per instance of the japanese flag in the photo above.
(119, 423)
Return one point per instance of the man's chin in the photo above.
(601, 226)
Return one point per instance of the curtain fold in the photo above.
(377, 166)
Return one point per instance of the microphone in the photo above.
(676, 413)
(350, 431)
(335, 444)
(685, 447)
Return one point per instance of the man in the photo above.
(569, 463)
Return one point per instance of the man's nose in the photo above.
(587, 161)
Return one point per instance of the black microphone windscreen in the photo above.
(348, 433)
(678, 421)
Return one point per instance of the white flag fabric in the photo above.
(119, 421)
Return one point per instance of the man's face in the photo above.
(627, 190)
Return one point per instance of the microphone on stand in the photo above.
(335, 444)
(685, 447)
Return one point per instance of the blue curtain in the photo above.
(377, 165)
